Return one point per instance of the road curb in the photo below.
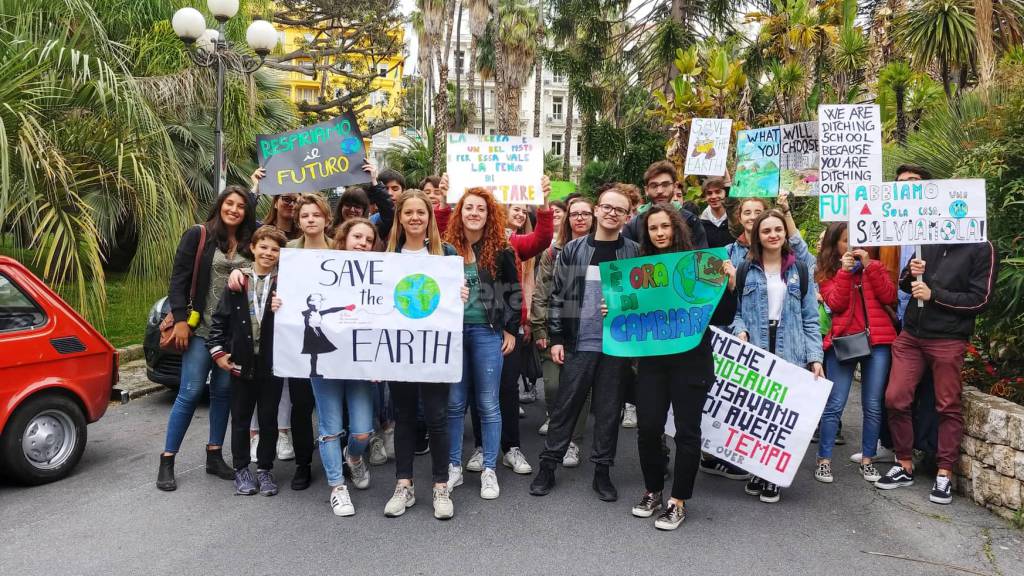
(130, 353)
(145, 390)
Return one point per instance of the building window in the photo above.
(306, 94)
(556, 107)
(558, 78)
(556, 144)
(579, 147)
(460, 60)
(382, 71)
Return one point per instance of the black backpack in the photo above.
(741, 278)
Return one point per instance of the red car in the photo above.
(56, 375)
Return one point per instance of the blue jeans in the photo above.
(329, 395)
(874, 372)
(481, 371)
(196, 366)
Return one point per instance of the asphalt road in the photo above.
(108, 518)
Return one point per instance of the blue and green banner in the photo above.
(661, 304)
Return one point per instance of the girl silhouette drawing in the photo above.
(314, 341)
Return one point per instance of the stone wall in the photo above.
(992, 452)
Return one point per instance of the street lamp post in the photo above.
(209, 48)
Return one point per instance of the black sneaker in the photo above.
(545, 479)
(896, 477)
(649, 504)
(941, 493)
(769, 493)
(753, 486)
(722, 468)
(303, 476)
(671, 518)
(840, 439)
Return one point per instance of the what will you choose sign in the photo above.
(369, 316)
(324, 155)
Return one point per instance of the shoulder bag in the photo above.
(167, 324)
(854, 346)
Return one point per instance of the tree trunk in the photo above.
(508, 114)
(537, 70)
(442, 117)
(901, 115)
(567, 138)
(944, 68)
(483, 111)
(986, 49)
(500, 94)
(680, 15)
(471, 78)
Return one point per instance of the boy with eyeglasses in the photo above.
(660, 182)
(575, 330)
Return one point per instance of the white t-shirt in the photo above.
(420, 251)
(776, 295)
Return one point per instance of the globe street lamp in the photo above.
(209, 48)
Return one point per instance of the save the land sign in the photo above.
(708, 148)
(757, 163)
(325, 155)
(510, 167)
(761, 411)
(660, 304)
(850, 150)
(369, 316)
(918, 212)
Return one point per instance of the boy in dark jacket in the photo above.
(242, 342)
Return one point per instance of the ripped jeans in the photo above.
(358, 397)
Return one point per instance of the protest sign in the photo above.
(757, 163)
(918, 212)
(798, 165)
(509, 166)
(708, 148)
(369, 316)
(324, 155)
(761, 411)
(850, 150)
(660, 304)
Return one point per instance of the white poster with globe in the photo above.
(369, 316)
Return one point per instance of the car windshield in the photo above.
(17, 311)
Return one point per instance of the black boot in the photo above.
(165, 477)
(302, 477)
(603, 484)
(545, 479)
(216, 465)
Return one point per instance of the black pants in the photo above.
(682, 381)
(301, 393)
(433, 396)
(262, 394)
(583, 372)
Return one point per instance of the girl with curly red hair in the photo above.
(491, 320)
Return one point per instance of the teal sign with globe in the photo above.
(417, 296)
(661, 304)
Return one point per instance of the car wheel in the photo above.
(44, 439)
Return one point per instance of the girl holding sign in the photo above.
(857, 288)
(777, 308)
(477, 230)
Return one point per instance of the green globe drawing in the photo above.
(417, 296)
(684, 281)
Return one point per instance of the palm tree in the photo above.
(538, 69)
(415, 158)
(896, 76)
(479, 14)
(438, 18)
(983, 37)
(942, 31)
(515, 51)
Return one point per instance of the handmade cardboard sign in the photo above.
(510, 167)
(660, 304)
(325, 155)
(918, 212)
(850, 150)
(798, 175)
(708, 148)
(369, 316)
(757, 163)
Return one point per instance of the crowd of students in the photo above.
(532, 298)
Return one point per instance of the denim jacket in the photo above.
(799, 337)
(738, 252)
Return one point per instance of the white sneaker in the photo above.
(341, 502)
(489, 485)
(629, 416)
(254, 443)
(376, 453)
(543, 430)
(404, 497)
(572, 456)
(522, 413)
(515, 460)
(444, 508)
(454, 476)
(389, 443)
(882, 454)
(476, 461)
(360, 471)
(285, 450)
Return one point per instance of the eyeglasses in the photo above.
(660, 185)
(609, 209)
(288, 200)
(580, 215)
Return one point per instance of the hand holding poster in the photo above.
(660, 304)
(799, 162)
(850, 151)
(324, 155)
(761, 411)
(369, 316)
(708, 148)
(918, 212)
(757, 163)
(509, 166)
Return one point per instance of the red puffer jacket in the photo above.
(840, 295)
(531, 245)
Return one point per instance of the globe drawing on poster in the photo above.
(417, 296)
